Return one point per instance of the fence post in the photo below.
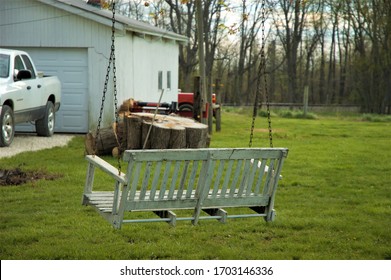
(218, 103)
(305, 101)
(197, 104)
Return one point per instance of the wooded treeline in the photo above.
(339, 49)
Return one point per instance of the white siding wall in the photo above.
(30, 23)
(152, 55)
(140, 59)
(125, 64)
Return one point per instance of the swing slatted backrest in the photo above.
(200, 179)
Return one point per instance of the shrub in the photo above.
(289, 114)
(376, 118)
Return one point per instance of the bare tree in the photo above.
(250, 24)
(133, 9)
(182, 20)
(289, 26)
(340, 48)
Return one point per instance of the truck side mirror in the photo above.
(23, 75)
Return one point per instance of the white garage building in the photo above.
(72, 40)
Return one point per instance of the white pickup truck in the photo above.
(25, 96)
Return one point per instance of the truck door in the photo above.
(35, 94)
(27, 93)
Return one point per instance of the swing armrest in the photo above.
(107, 168)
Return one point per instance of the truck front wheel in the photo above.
(45, 126)
(7, 126)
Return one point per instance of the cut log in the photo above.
(165, 135)
(106, 141)
(177, 138)
(133, 126)
(160, 136)
(127, 106)
(115, 152)
(196, 135)
(163, 132)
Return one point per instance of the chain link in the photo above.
(111, 62)
(262, 72)
(269, 119)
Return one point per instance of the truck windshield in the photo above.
(4, 65)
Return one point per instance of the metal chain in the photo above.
(269, 119)
(262, 72)
(115, 90)
(111, 61)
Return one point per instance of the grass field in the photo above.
(334, 201)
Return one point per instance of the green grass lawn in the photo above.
(334, 201)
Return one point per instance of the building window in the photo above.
(160, 80)
(168, 79)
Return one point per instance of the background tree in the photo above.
(182, 20)
(289, 27)
(340, 49)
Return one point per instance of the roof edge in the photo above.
(82, 9)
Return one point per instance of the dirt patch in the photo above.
(14, 177)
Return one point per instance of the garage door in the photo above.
(70, 65)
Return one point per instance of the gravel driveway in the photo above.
(32, 142)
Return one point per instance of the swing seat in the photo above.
(200, 180)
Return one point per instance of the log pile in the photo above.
(143, 131)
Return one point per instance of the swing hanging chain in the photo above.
(262, 72)
(111, 61)
(269, 119)
(115, 90)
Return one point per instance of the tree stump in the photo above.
(133, 132)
